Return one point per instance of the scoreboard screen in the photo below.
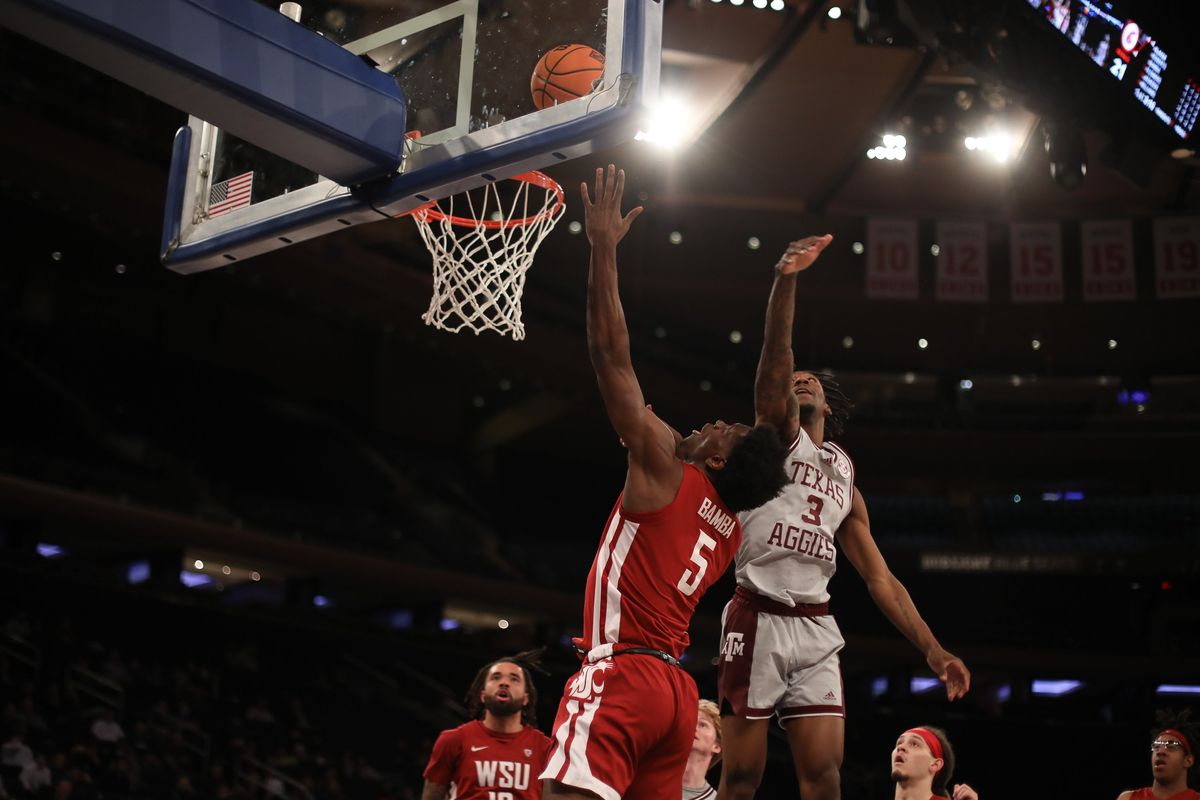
(1131, 55)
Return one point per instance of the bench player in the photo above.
(500, 753)
(1172, 757)
(923, 764)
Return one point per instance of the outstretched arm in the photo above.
(893, 599)
(654, 472)
(774, 401)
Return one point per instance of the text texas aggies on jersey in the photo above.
(787, 552)
(481, 764)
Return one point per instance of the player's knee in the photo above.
(821, 782)
(740, 781)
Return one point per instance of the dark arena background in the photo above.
(273, 523)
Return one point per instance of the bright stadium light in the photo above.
(669, 122)
(999, 146)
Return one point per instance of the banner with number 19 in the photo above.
(1177, 257)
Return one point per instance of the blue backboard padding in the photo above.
(241, 66)
(176, 178)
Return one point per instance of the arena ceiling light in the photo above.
(892, 149)
(1055, 688)
(999, 146)
(1177, 688)
(47, 550)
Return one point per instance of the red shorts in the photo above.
(624, 729)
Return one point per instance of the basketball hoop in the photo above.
(482, 247)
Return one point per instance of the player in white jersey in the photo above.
(779, 646)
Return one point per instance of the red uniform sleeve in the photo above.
(443, 761)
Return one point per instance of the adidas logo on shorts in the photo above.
(830, 696)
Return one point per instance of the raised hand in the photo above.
(602, 216)
(964, 792)
(951, 670)
(801, 254)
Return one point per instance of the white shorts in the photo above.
(779, 659)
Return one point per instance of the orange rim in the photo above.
(539, 179)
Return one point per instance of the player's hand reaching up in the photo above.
(951, 670)
(964, 792)
(602, 216)
(801, 253)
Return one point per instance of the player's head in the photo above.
(923, 754)
(505, 687)
(707, 741)
(1173, 748)
(821, 395)
(744, 464)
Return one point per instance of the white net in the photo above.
(482, 244)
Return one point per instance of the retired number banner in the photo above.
(962, 269)
(1108, 260)
(1037, 274)
(892, 259)
(1177, 257)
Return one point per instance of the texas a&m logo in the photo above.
(733, 646)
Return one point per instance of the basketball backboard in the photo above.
(464, 67)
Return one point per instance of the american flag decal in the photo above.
(228, 195)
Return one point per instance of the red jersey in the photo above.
(1146, 794)
(481, 764)
(652, 568)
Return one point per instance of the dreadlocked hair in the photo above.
(753, 472)
(528, 661)
(1181, 721)
(840, 405)
(941, 781)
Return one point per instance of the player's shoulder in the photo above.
(456, 735)
(839, 459)
(537, 736)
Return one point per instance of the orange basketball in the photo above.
(565, 73)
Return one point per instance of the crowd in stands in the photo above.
(88, 721)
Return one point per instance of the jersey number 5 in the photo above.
(689, 580)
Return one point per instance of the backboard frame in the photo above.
(439, 164)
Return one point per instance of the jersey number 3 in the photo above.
(689, 581)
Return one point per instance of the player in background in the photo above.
(627, 719)
(500, 753)
(705, 753)
(1172, 757)
(779, 649)
(923, 764)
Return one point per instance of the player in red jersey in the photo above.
(627, 719)
(1172, 756)
(499, 754)
(922, 765)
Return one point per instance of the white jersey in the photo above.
(787, 552)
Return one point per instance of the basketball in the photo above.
(565, 73)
